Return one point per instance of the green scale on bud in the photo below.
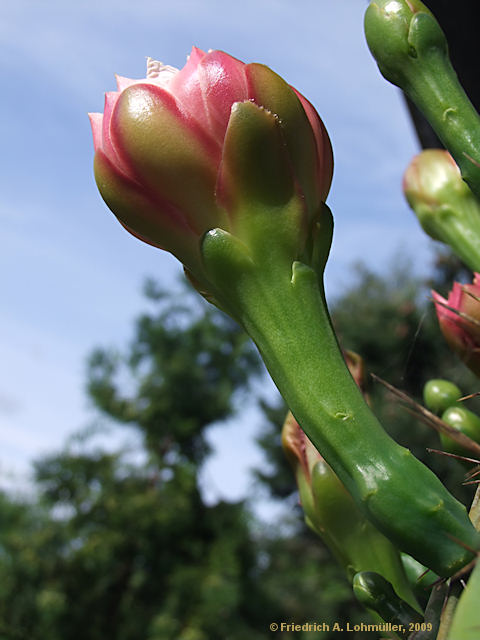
(412, 52)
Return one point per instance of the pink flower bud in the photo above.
(185, 151)
(459, 319)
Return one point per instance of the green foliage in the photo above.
(121, 552)
(124, 550)
(29, 544)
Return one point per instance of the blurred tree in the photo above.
(124, 550)
(179, 376)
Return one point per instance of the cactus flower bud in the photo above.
(356, 366)
(440, 394)
(330, 511)
(227, 167)
(182, 152)
(459, 319)
(445, 206)
(377, 594)
(397, 31)
(464, 421)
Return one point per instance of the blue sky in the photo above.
(71, 276)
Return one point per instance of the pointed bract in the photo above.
(270, 90)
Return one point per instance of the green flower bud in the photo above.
(332, 513)
(377, 594)
(440, 394)
(445, 206)
(464, 421)
(397, 32)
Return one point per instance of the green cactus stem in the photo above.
(412, 52)
(282, 307)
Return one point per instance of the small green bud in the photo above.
(377, 594)
(464, 421)
(440, 394)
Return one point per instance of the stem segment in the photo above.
(434, 87)
(412, 52)
(284, 311)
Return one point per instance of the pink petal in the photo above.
(111, 98)
(143, 203)
(123, 83)
(208, 86)
(439, 305)
(185, 86)
(223, 82)
(185, 120)
(166, 150)
(324, 147)
(455, 296)
(450, 323)
(196, 54)
(96, 122)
